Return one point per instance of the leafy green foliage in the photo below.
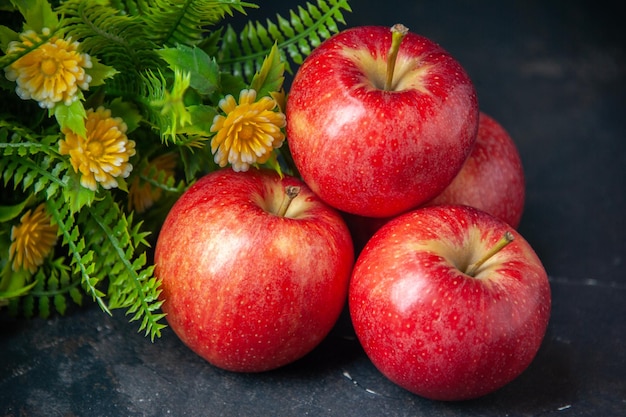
(116, 239)
(101, 241)
(52, 288)
(107, 249)
(185, 22)
(121, 41)
(29, 162)
(162, 66)
(203, 70)
(71, 117)
(242, 54)
(37, 14)
(269, 78)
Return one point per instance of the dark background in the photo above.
(553, 74)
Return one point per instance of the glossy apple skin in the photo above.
(372, 152)
(434, 330)
(492, 178)
(245, 289)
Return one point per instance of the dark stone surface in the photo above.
(554, 74)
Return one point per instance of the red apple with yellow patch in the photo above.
(449, 302)
(380, 121)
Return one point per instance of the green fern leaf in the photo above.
(128, 7)
(44, 306)
(119, 41)
(30, 161)
(76, 295)
(185, 22)
(81, 258)
(122, 259)
(60, 303)
(49, 291)
(296, 37)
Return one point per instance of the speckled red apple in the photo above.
(374, 145)
(252, 280)
(492, 178)
(444, 307)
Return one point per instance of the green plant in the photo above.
(152, 73)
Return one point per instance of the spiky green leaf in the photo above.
(295, 37)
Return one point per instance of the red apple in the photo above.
(377, 129)
(251, 279)
(492, 178)
(444, 307)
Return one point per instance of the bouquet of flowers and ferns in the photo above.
(110, 109)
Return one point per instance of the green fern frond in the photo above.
(120, 245)
(107, 252)
(127, 7)
(120, 41)
(53, 288)
(160, 179)
(30, 161)
(82, 262)
(185, 22)
(153, 88)
(243, 54)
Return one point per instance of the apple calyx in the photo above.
(398, 32)
(291, 192)
(472, 269)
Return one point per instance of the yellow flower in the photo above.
(51, 73)
(32, 240)
(142, 195)
(249, 131)
(103, 154)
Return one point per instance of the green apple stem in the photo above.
(500, 244)
(291, 192)
(398, 32)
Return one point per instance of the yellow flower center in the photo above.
(95, 149)
(246, 132)
(49, 66)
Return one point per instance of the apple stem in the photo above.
(398, 32)
(291, 192)
(500, 244)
